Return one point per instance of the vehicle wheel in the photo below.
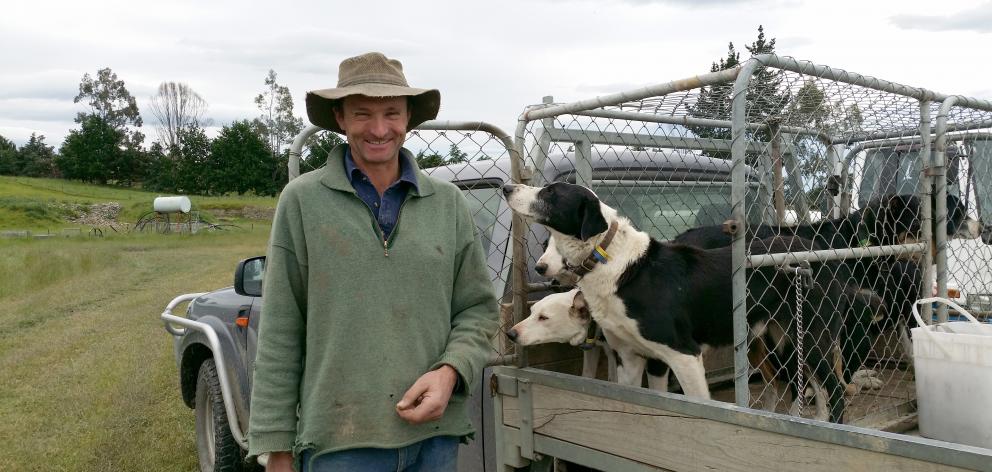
(215, 445)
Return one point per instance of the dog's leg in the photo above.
(658, 375)
(611, 364)
(631, 370)
(691, 373)
(822, 412)
(590, 361)
(759, 357)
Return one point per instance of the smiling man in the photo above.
(378, 307)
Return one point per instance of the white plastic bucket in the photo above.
(171, 204)
(953, 363)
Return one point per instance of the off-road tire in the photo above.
(215, 445)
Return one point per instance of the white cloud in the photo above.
(978, 19)
(489, 63)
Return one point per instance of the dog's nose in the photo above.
(541, 268)
(512, 334)
(508, 189)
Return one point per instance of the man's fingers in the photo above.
(412, 396)
(429, 409)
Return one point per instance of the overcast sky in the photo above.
(489, 59)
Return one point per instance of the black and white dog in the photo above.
(885, 220)
(669, 302)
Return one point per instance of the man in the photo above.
(378, 307)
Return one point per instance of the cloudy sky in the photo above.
(489, 59)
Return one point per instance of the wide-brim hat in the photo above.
(372, 75)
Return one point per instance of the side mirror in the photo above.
(248, 276)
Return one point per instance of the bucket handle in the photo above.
(919, 319)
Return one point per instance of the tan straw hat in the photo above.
(373, 75)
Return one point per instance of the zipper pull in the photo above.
(385, 247)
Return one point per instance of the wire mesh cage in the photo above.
(837, 195)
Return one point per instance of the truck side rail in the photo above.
(170, 322)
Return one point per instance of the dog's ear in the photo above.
(579, 307)
(593, 222)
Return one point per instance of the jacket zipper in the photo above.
(399, 216)
(380, 232)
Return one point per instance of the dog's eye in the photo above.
(542, 318)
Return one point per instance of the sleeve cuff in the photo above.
(260, 443)
(463, 381)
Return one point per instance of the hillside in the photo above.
(53, 205)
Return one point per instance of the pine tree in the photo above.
(765, 98)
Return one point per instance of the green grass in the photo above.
(33, 204)
(89, 379)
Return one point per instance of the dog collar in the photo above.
(590, 341)
(597, 256)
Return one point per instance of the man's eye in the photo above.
(542, 318)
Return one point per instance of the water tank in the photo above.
(172, 204)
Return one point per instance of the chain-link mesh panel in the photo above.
(855, 308)
(478, 163)
(969, 183)
(831, 167)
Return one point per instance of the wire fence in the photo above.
(839, 172)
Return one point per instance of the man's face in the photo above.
(375, 127)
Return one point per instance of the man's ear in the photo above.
(338, 110)
(593, 222)
(579, 307)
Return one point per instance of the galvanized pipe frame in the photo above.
(738, 151)
(929, 450)
(690, 121)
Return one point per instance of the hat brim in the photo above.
(320, 103)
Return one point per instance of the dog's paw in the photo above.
(867, 379)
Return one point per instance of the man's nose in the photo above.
(379, 126)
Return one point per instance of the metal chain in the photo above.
(800, 356)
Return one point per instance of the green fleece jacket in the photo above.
(348, 322)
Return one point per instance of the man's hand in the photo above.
(280, 461)
(427, 399)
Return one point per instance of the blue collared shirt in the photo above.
(387, 208)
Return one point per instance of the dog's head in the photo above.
(896, 219)
(556, 318)
(567, 209)
(552, 265)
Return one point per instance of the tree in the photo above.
(160, 173)
(176, 106)
(277, 123)
(714, 102)
(764, 100)
(36, 159)
(114, 107)
(240, 161)
(88, 153)
(456, 155)
(318, 146)
(191, 156)
(8, 157)
(109, 99)
(427, 161)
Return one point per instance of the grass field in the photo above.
(89, 380)
(34, 204)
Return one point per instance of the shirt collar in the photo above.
(408, 173)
